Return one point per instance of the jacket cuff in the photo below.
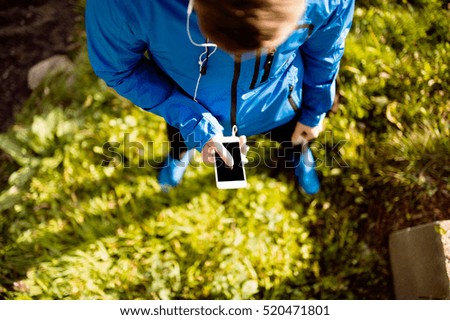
(197, 136)
(310, 118)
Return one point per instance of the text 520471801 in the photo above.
(294, 310)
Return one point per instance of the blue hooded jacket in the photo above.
(141, 49)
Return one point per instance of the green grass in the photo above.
(71, 228)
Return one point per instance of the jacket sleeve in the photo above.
(322, 54)
(117, 56)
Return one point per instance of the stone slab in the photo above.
(54, 64)
(420, 261)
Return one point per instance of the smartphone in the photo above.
(226, 177)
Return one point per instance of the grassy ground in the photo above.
(73, 228)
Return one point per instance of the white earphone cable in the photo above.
(204, 56)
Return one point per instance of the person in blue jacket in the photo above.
(206, 66)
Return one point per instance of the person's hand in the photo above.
(304, 133)
(214, 145)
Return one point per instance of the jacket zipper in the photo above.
(237, 72)
(256, 70)
(269, 59)
(310, 28)
(291, 100)
(267, 68)
(268, 64)
(205, 63)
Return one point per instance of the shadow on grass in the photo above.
(79, 229)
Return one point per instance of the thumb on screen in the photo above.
(224, 154)
(213, 146)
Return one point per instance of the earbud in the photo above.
(190, 7)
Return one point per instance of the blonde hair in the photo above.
(247, 25)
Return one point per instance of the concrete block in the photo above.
(420, 261)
